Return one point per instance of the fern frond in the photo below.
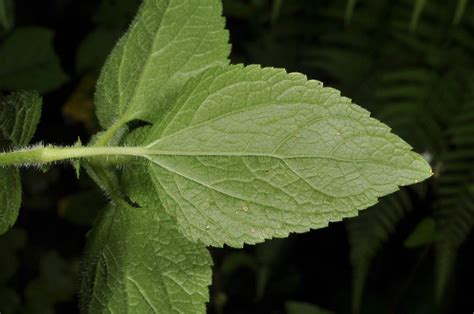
(417, 10)
(368, 232)
(417, 84)
(349, 10)
(454, 212)
(460, 8)
(456, 221)
(416, 102)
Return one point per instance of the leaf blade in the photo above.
(169, 43)
(10, 197)
(138, 262)
(20, 113)
(22, 67)
(290, 156)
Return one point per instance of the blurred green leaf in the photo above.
(268, 254)
(237, 260)
(423, 234)
(28, 61)
(10, 243)
(56, 283)
(81, 208)
(20, 113)
(94, 49)
(293, 307)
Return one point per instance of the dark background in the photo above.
(414, 72)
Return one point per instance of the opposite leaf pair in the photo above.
(232, 155)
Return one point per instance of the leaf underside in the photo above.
(232, 155)
(20, 113)
(248, 154)
(138, 262)
(168, 42)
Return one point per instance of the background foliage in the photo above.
(409, 62)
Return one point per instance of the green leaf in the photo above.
(10, 197)
(138, 262)
(20, 113)
(82, 207)
(423, 234)
(28, 61)
(249, 154)
(94, 49)
(168, 42)
(11, 243)
(293, 307)
(55, 283)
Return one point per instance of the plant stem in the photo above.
(105, 138)
(44, 155)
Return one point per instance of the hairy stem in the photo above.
(105, 138)
(44, 155)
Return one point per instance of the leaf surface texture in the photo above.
(248, 154)
(138, 262)
(168, 42)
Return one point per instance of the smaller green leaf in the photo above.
(10, 244)
(81, 208)
(138, 262)
(55, 283)
(10, 197)
(94, 49)
(28, 61)
(293, 307)
(19, 115)
(423, 234)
